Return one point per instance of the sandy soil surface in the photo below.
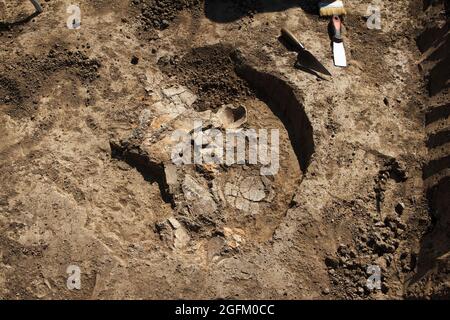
(86, 177)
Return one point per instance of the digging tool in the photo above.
(37, 6)
(340, 58)
(330, 8)
(305, 58)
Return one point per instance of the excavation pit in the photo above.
(237, 195)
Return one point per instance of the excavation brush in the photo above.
(331, 8)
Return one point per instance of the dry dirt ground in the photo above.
(86, 180)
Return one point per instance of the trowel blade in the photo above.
(307, 60)
(340, 59)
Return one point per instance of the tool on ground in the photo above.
(330, 8)
(340, 58)
(37, 6)
(305, 58)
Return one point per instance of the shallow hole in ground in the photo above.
(219, 75)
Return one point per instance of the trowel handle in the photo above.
(292, 39)
(337, 26)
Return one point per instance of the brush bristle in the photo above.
(327, 11)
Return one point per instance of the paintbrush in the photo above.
(330, 8)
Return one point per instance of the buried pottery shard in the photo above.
(252, 189)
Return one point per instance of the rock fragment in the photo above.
(200, 199)
(173, 91)
(252, 188)
(173, 233)
(234, 237)
(399, 208)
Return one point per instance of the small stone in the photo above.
(331, 262)
(174, 223)
(342, 250)
(242, 204)
(188, 98)
(181, 238)
(148, 89)
(254, 208)
(173, 91)
(176, 100)
(164, 23)
(399, 208)
(198, 196)
(326, 291)
(383, 247)
(170, 172)
(47, 283)
(123, 166)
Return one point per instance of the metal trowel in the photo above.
(305, 58)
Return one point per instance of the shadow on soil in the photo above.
(224, 11)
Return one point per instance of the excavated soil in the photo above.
(159, 14)
(86, 177)
(32, 73)
(210, 73)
